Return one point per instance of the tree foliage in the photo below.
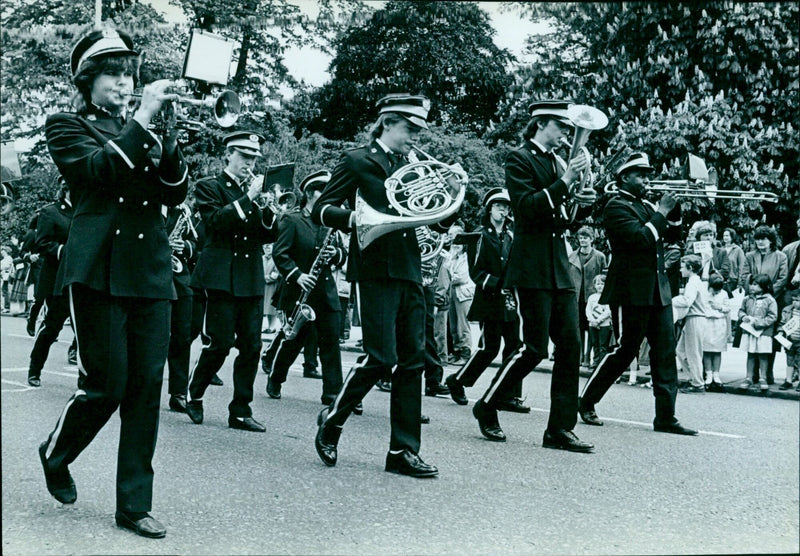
(716, 79)
(443, 50)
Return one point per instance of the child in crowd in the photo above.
(716, 340)
(694, 301)
(790, 327)
(599, 317)
(757, 318)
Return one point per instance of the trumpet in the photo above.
(272, 202)
(226, 109)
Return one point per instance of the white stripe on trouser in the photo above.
(41, 327)
(609, 354)
(513, 359)
(352, 372)
(74, 324)
(203, 333)
(481, 347)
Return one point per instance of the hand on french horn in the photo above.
(306, 282)
(576, 167)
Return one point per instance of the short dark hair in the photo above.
(732, 232)
(692, 262)
(586, 231)
(716, 281)
(767, 232)
(93, 67)
(537, 122)
(763, 281)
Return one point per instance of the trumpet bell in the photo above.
(227, 108)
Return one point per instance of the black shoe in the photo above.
(588, 415)
(425, 420)
(216, 381)
(692, 389)
(715, 387)
(146, 526)
(177, 403)
(328, 400)
(566, 440)
(311, 373)
(384, 385)
(265, 364)
(784, 386)
(59, 481)
(487, 422)
(245, 424)
(358, 409)
(30, 328)
(513, 405)
(194, 409)
(35, 381)
(72, 357)
(409, 463)
(326, 440)
(456, 390)
(273, 389)
(437, 389)
(674, 428)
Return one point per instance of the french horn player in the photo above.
(388, 197)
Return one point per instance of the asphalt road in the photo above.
(732, 489)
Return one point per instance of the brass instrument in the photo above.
(303, 312)
(273, 203)
(430, 246)
(182, 225)
(226, 109)
(586, 119)
(422, 193)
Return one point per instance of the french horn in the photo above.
(422, 193)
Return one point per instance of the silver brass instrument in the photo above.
(286, 198)
(586, 119)
(182, 225)
(226, 109)
(422, 193)
(303, 312)
(430, 246)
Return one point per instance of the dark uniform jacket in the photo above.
(52, 231)
(487, 267)
(538, 257)
(187, 257)
(636, 232)
(117, 242)
(235, 230)
(294, 252)
(394, 255)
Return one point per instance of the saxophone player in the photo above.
(304, 253)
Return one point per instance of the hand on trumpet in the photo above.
(152, 100)
(576, 167)
(306, 282)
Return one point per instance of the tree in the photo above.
(717, 79)
(443, 50)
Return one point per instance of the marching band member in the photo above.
(638, 291)
(389, 288)
(183, 241)
(230, 270)
(305, 268)
(492, 305)
(116, 266)
(539, 272)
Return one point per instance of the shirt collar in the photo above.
(539, 146)
(233, 178)
(382, 145)
(105, 112)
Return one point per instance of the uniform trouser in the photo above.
(327, 326)
(631, 325)
(433, 365)
(56, 314)
(545, 314)
(393, 322)
(230, 322)
(440, 318)
(492, 332)
(690, 348)
(180, 345)
(311, 348)
(198, 312)
(122, 347)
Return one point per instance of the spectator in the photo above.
(590, 262)
(790, 327)
(693, 304)
(462, 291)
(6, 274)
(272, 278)
(713, 258)
(717, 326)
(598, 317)
(736, 262)
(757, 317)
(442, 302)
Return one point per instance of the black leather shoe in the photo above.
(487, 422)
(59, 482)
(311, 373)
(327, 439)
(384, 385)
(216, 381)
(409, 463)
(513, 405)
(194, 409)
(674, 428)
(588, 415)
(245, 424)
(456, 390)
(566, 440)
(30, 328)
(358, 409)
(273, 389)
(146, 526)
(34, 381)
(178, 403)
(437, 389)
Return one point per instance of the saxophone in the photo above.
(182, 225)
(302, 311)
